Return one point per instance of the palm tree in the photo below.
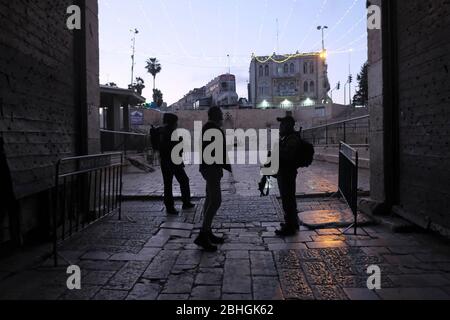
(153, 67)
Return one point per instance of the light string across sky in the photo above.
(196, 40)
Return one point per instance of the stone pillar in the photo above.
(376, 133)
(88, 62)
(382, 108)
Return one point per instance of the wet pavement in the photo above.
(320, 178)
(150, 256)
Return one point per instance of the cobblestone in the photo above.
(149, 256)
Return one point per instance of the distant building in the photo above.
(189, 100)
(221, 91)
(286, 81)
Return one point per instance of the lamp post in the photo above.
(323, 35)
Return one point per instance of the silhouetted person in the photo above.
(287, 176)
(213, 174)
(169, 169)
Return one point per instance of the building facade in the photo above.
(288, 81)
(221, 91)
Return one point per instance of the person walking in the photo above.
(171, 170)
(213, 174)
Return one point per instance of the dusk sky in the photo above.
(192, 39)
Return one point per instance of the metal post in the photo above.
(345, 132)
(121, 187)
(55, 217)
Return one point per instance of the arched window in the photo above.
(261, 71)
(305, 68)
(266, 71)
(311, 68)
(292, 68)
(286, 68)
(312, 86)
(306, 86)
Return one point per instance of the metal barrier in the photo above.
(87, 189)
(348, 179)
(353, 131)
(112, 141)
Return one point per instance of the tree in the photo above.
(158, 97)
(153, 67)
(138, 86)
(361, 97)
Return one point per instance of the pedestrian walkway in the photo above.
(149, 256)
(320, 178)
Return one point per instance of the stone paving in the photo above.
(149, 256)
(321, 177)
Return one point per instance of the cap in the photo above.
(287, 119)
(170, 118)
(215, 113)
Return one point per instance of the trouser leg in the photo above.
(287, 186)
(212, 203)
(168, 188)
(183, 180)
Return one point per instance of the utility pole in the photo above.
(350, 77)
(135, 32)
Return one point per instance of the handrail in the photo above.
(123, 133)
(337, 123)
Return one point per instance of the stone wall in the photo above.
(49, 97)
(306, 117)
(423, 33)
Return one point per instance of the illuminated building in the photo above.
(287, 81)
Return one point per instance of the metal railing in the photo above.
(87, 189)
(353, 131)
(348, 179)
(126, 142)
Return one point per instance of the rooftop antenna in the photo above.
(229, 64)
(135, 32)
(278, 37)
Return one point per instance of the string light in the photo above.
(363, 18)
(338, 23)
(322, 8)
(287, 57)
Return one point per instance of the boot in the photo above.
(172, 211)
(188, 206)
(282, 225)
(286, 231)
(204, 242)
(215, 240)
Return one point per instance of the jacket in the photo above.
(225, 163)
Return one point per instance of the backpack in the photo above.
(155, 137)
(305, 153)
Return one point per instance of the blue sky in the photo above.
(192, 38)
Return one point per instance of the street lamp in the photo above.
(323, 35)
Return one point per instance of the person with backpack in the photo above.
(163, 141)
(294, 153)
